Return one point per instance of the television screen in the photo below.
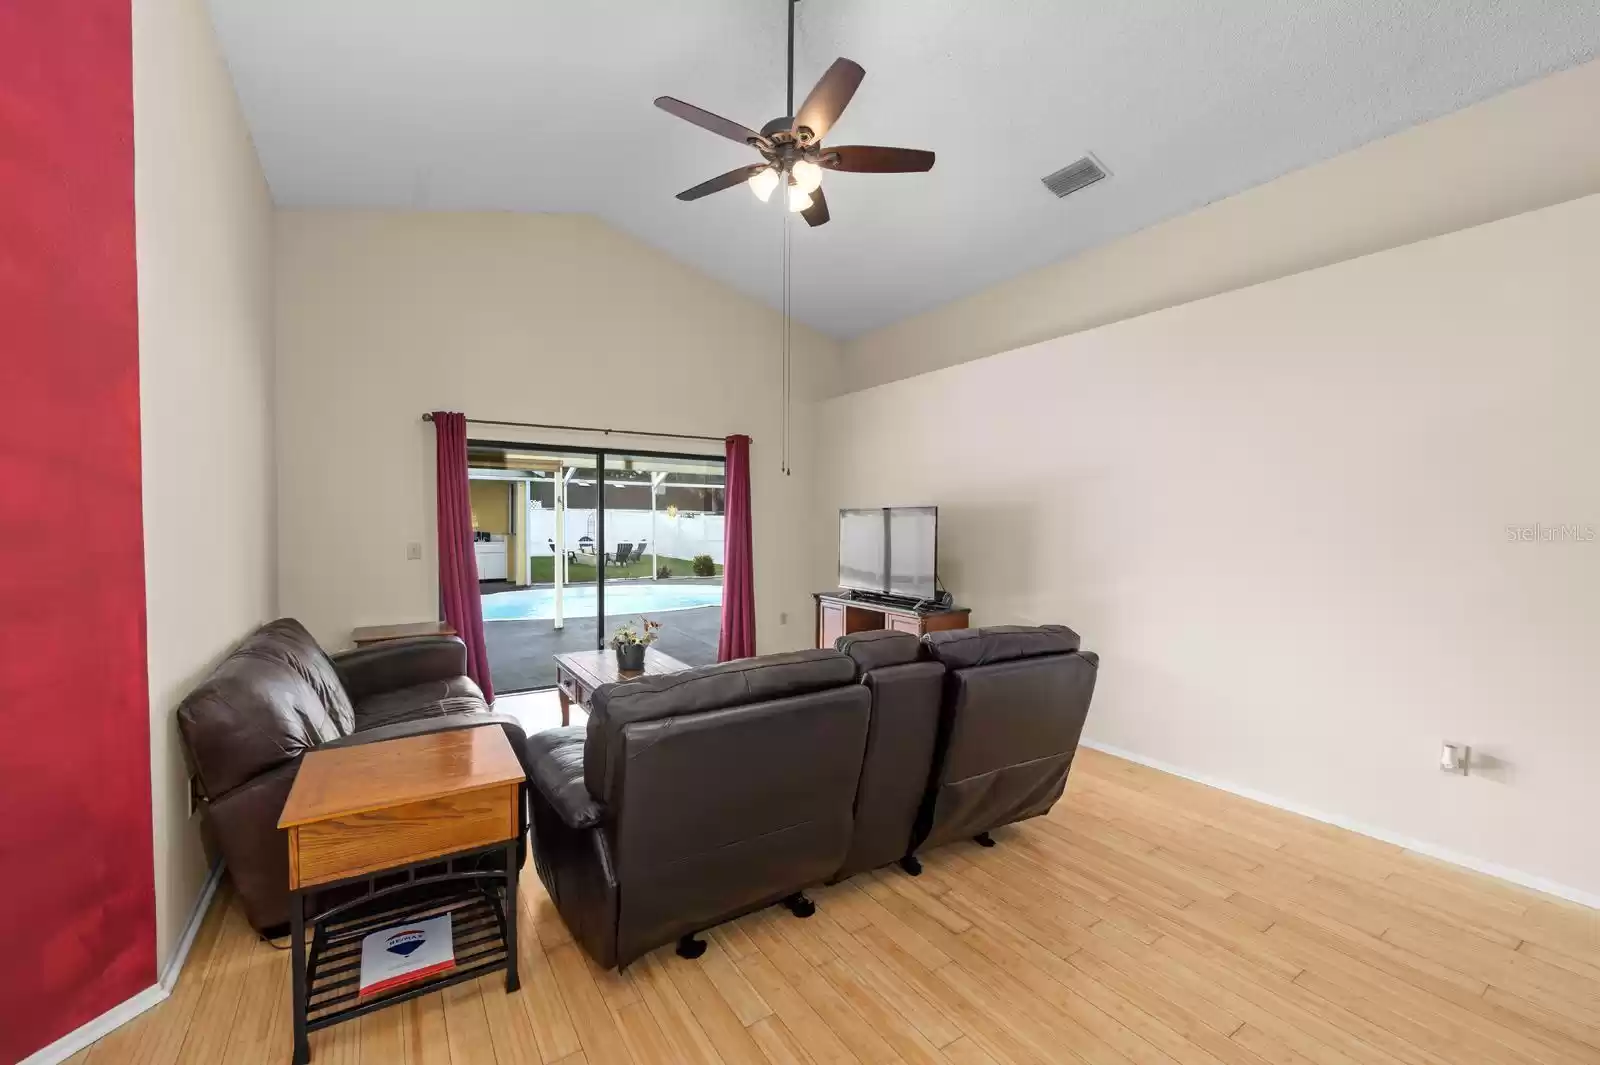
(913, 551)
(861, 549)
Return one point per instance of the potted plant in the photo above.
(630, 643)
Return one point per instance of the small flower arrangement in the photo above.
(643, 636)
(629, 643)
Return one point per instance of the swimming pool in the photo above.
(579, 600)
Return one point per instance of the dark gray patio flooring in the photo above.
(522, 653)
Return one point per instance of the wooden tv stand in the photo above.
(838, 614)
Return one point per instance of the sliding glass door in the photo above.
(663, 522)
(546, 599)
(574, 543)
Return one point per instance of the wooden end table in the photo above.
(402, 828)
(579, 673)
(367, 635)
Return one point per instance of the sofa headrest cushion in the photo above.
(965, 648)
(287, 641)
(880, 648)
(741, 682)
(747, 680)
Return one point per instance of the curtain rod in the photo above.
(587, 429)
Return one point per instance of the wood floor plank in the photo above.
(466, 1024)
(643, 1036)
(712, 1010)
(426, 1034)
(777, 1043)
(907, 1043)
(853, 1030)
(591, 1017)
(681, 1024)
(736, 992)
(1145, 920)
(510, 1031)
(966, 1052)
(799, 1017)
(920, 1012)
(542, 1003)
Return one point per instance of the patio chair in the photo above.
(622, 555)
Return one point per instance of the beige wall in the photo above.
(1281, 516)
(204, 220)
(541, 318)
(1528, 148)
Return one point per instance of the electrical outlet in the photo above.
(414, 551)
(1455, 758)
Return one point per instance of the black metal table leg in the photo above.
(513, 981)
(297, 966)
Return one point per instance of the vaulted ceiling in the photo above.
(540, 105)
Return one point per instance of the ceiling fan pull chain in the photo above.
(789, 99)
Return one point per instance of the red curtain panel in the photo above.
(77, 899)
(458, 563)
(738, 639)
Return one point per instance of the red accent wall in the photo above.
(77, 906)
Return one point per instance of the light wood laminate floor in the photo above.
(1148, 920)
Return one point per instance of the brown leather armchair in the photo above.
(1014, 704)
(692, 798)
(245, 727)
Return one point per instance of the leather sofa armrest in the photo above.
(244, 824)
(394, 664)
(555, 765)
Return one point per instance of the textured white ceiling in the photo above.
(540, 105)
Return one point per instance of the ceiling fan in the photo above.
(791, 146)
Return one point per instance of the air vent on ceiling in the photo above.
(1075, 176)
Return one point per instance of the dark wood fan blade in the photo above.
(817, 213)
(870, 159)
(721, 181)
(724, 127)
(828, 98)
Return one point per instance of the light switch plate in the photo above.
(413, 551)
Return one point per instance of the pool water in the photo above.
(579, 600)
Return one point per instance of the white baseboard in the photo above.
(1443, 854)
(180, 953)
(154, 995)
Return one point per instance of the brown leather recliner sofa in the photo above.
(1014, 703)
(246, 726)
(693, 798)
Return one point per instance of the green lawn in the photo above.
(541, 569)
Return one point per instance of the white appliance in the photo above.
(491, 559)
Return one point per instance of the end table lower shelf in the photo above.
(482, 907)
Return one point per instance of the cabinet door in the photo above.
(830, 623)
(901, 623)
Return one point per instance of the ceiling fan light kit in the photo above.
(762, 182)
(791, 145)
(792, 154)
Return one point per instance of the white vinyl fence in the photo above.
(681, 536)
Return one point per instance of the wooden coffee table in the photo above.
(579, 673)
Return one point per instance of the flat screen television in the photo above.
(890, 550)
